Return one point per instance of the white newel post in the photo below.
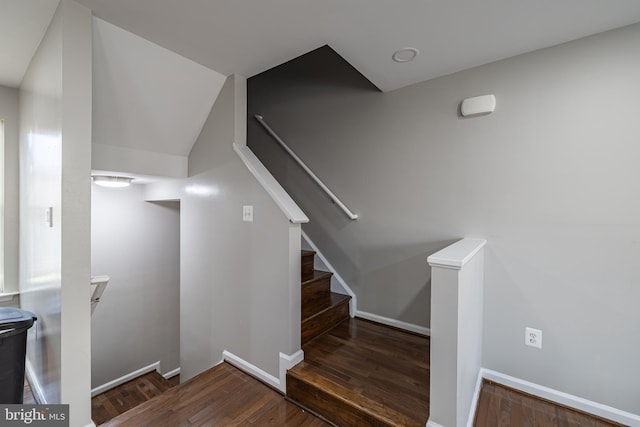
(457, 277)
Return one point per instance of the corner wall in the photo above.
(550, 179)
(55, 156)
(235, 290)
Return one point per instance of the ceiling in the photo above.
(145, 97)
(248, 37)
(22, 25)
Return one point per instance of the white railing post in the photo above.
(457, 277)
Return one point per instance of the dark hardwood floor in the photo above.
(501, 406)
(221, 396)
(363, 373)
(174, 380)
(27, 395)
(119, 400)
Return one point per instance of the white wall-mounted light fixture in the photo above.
(112, 181)
(478, 105)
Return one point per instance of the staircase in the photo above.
(322, 309)
(356, 372)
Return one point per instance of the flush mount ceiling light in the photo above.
(406, 54)
(112, 181)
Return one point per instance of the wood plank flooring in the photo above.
(363, 373)
(501, 406)
(222, 396)
(119, 400)
(27, 395)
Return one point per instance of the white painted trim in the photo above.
(271, 186)
(422, 330)
(456, 255)
(566, 399)
(172, 374)
(251, 369)
(123, 379)
(433, 424)
(36, 388)
(474, 401)
(91, 424)
(287, 362)
(8, 296)
(353, 304)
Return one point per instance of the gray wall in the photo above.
(234, 275)
(55, 169)
(9, 114)
(137, 244)
(551, 179)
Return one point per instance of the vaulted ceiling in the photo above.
(248, 36)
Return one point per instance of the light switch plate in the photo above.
(247, 213)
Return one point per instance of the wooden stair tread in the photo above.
(351, 398)
(363, 373)
(308, 253)
(317, 275)
(321, 304)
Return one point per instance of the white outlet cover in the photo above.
(533, 337)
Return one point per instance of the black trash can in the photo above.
(13, 348)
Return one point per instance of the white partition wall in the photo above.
(457, 280)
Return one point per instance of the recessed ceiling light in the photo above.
(405, 54)
(112, 181)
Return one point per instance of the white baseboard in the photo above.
(395, 323)
(563, 398)
(172, 374)
(287, 362)
(123, 379)
(433, 424)
(474, 400)
(36, 387)
(91, 424)
(353, 304)
(251, 369)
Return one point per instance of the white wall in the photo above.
(235, 292)
(55, 156)
(550, 179)
(9, 114)
(40, 187)
(137, 244)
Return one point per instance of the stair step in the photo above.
(362, 373)
(307, 264)
(319, 283)
(339, 404)
(323, 313)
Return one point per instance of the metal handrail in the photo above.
(332, 196)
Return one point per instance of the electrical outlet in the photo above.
(533, 337)
(247, 213)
